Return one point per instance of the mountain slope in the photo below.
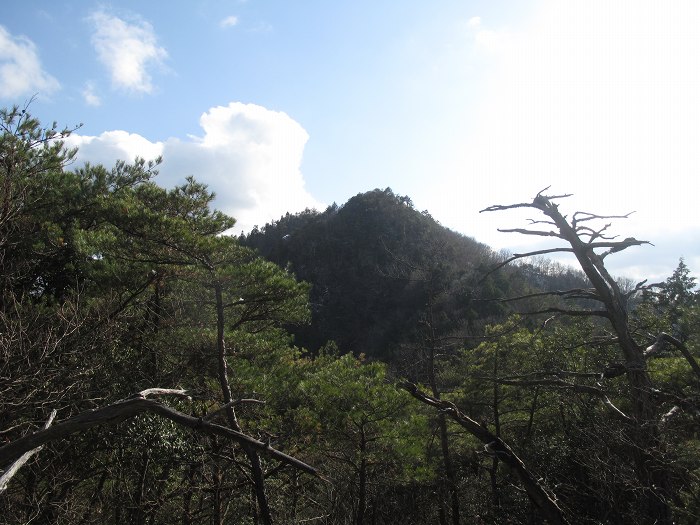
(381, 271)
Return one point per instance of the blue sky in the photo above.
(282, 105)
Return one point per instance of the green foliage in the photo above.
(373, 263)
(108, 286)
(112, 284)
(667, 307)
(366, 434)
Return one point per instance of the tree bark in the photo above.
(253, 457)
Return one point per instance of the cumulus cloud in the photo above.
(111, 146)
(229, 21)
(127, 50)
(21, 72)
(249, 156)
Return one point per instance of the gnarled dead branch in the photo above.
(131, 407)
(19, 463)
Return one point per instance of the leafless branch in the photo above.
(581, 216)
(530, 232)
(641, 286)
(19, 463)
(131, 407)
(575, 293)
(162, 392)
(540, 196)
(659, 344)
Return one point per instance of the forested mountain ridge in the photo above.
(376, 262)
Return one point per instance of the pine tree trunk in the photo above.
(253, 457)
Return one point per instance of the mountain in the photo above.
(383, 274)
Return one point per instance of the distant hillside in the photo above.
(385, 274)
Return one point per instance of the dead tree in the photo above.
(591, 245)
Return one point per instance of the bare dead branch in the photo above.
(659, 344)
(616, 410)
(688, 405)
(533, 221)
(581, 216)
(555, 197)
(640, 287)
(541, 496)
(19, 463)
(162, 392)
(526, 381)
(540, 196)
(500, 207)
(131, 407)
(617, 246)
(574, 293)
(530, 232)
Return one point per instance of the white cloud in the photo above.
(229, 21)
(595, 98)
(128, 50)
(249, 156)
(91, 98)
(21, 72)
(111, 146)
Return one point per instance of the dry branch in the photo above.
(659, 343)
(544, 500)
(19, 463)
(523, 231)
(133, 406)
(574, 293)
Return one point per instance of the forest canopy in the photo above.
(358, 365)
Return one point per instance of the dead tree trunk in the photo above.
(583, 241)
